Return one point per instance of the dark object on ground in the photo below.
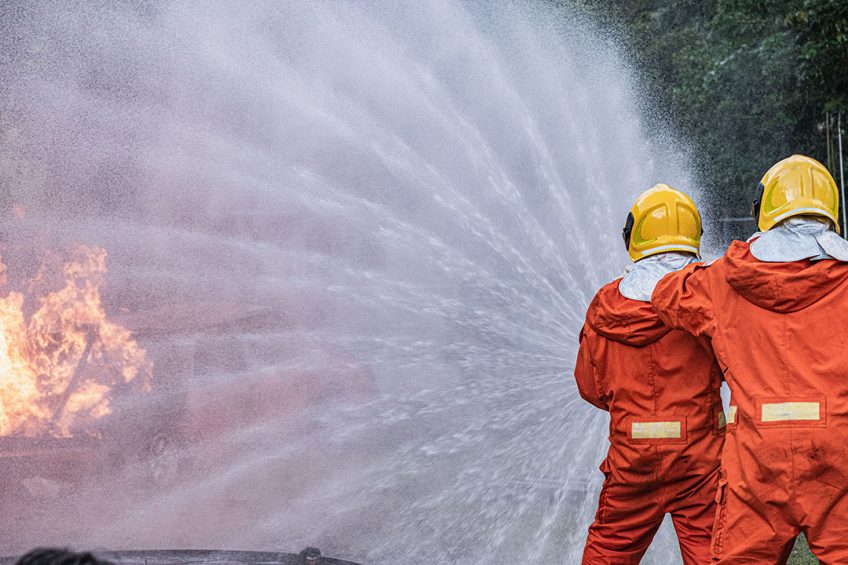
(310, 556)
(54, 556)
(195, 557)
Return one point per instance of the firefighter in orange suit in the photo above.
(776, 310)
(661, 388)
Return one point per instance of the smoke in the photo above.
(357, 241)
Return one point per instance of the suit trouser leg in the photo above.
(628, 517)
(693, 510)
(751, 529)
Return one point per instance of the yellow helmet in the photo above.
(796, 186)
(662, 219)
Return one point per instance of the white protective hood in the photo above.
(799, 238)
(641, 277)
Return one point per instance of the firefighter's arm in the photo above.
(682, 299)
(589, 381)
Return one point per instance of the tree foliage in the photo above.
(746, 82)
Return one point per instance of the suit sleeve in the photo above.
(586, 373)
(683, 300)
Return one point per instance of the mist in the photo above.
(357, 242)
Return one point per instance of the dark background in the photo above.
(744, 82)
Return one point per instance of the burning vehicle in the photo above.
(82, 394)
(62, 362)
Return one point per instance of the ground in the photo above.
(801, 554)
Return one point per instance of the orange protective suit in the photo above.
(780, 333)
(661, 388)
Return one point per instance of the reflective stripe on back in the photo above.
(731, 414)
(789, 411)
(656, 430)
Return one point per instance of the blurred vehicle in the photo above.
(209, 379)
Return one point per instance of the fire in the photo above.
(58, 369)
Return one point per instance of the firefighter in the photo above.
(775, 310)
(662, 390)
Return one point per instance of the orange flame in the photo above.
(57, 372)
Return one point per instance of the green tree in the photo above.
(745, 82)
